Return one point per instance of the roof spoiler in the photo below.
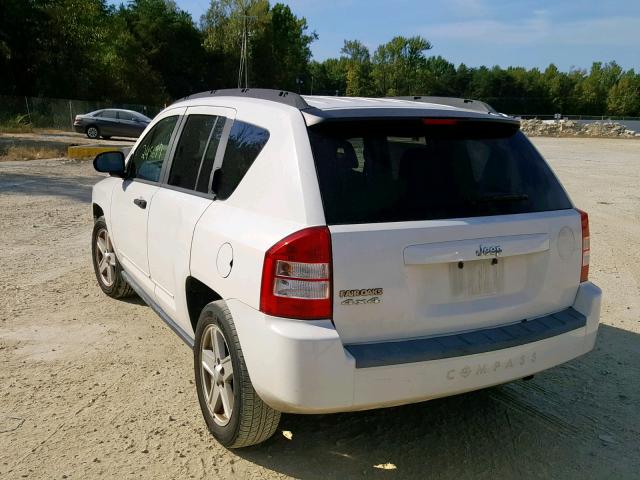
(465, 103)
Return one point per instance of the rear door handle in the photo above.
(141, 202)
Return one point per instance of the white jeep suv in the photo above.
(324, 254)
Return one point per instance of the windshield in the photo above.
(405, 170)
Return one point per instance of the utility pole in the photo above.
(243, 69)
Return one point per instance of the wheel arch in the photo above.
(97, 211)
(198, 295)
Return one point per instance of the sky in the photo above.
(569, 33)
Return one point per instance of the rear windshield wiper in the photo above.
(503, 197)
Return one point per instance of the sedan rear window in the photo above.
(408, 170)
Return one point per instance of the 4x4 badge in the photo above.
(361, 301)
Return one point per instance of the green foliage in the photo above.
(151, 52)
(16, 124)
(624, 96)
(357, 68)
(278, 46)
(222, 27)
(399, 66)
(290, 50)
(168, 41)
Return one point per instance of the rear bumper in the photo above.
(303, 367)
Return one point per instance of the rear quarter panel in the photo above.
(278, 195)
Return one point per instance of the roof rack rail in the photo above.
(280, 96)
(466, 103)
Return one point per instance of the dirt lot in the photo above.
(57, 136)
(93, 387)
(48, 143)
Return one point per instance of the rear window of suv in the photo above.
(243, 146)
(407, 170)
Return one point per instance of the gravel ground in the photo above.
(73, 138)
(91, 386)
(54, 142)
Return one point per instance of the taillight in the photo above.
(586, 250)
(296, 276)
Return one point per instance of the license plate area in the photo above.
(477, 278)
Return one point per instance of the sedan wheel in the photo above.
(216, 371)
(92, 132)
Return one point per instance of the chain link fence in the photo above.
(56, 113)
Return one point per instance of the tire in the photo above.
(93, 132)
(108, 271)
(251, 420)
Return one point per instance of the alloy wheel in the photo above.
(216, 370)
(105, 258)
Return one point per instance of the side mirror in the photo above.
(110, 162)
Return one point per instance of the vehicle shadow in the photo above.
(73, 187)
(574, 421)
(134, 300)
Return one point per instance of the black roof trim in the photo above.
(465, 103)
(280, 96)
(295, 100)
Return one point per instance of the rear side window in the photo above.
(194, 147)
(127, 116)
(408, 170)
(244, 144)
(111, 114)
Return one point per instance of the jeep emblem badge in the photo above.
(486, 250)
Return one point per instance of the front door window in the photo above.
(146, 162)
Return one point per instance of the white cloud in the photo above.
(540, 29)
(613, 31)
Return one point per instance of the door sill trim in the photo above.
(178, 330)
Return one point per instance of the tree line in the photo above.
(151, 52)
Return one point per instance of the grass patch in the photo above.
(15, 153)
(17, 124)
